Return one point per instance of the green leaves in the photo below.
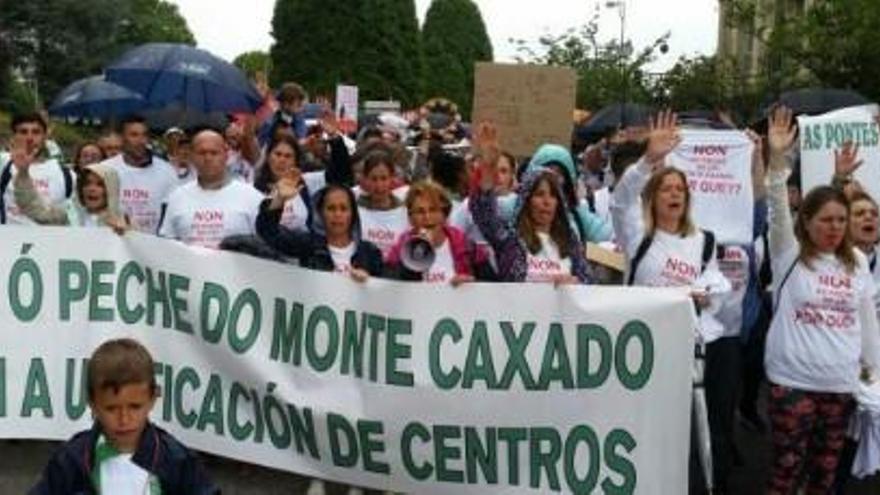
(373, 44)
(454, 38)
(55, 42)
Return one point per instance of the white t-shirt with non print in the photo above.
(48, 179)
(383, 227)
(342, 257)
(143, 191)
(203, 217)
(676, 261)
(547, 263)
(442, 271)
(815, 339)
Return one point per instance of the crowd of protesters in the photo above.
(309, 194)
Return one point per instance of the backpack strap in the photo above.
(708, 249)
(68, 179)
(782, 284)
(641, 251)
(5, 178)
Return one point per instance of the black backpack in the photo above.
(6, 178)
(645, 245)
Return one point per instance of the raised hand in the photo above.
(781, 130)
(289, 184)
(21, 154)
(846, 160)
(663, 137)
(329, 122)
(759, 166)
(488, 151)
(262, 84)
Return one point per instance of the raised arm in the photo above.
(626, 215)
(26, 196)
(780, 138)
(290, 242)
(32, 205)
(339, 170)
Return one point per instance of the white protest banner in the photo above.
(415, 388)
(821, 135)
(718, 165)
(347, 107)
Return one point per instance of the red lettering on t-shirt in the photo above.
(206, 216)
(377, 234)
(135, 194)
(835, 281)
(681, 268)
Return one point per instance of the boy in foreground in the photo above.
(123, 453)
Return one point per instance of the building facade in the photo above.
(744, 42)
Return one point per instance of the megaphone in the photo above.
(418, 253)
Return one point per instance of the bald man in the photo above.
(214, 206)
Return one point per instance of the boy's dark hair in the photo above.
(377, 158)
(130, 119)
(28, 118)
(117, 363)
(290, 92)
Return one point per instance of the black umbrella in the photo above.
(702, 119)
(615, 116)
(95, 98)
(166, 73)
(817, 101)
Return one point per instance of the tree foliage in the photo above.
(55, 42)
(832, 45)
(454, 38)
(607, 72)
(373, 44)
(254, 61)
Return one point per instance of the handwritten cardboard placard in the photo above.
(530, 104)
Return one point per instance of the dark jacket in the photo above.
(179, 471)
(310, 248)
(510, 250)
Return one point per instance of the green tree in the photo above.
(607, 72)
(831, 44)
(153, 20)
(253, 62)
(453, 39)
(55, 42)
(378, 51)
(391, 56)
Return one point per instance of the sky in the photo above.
(231, 27)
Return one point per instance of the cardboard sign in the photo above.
(530, 104)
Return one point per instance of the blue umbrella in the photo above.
(195, 79)
(94, 97)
